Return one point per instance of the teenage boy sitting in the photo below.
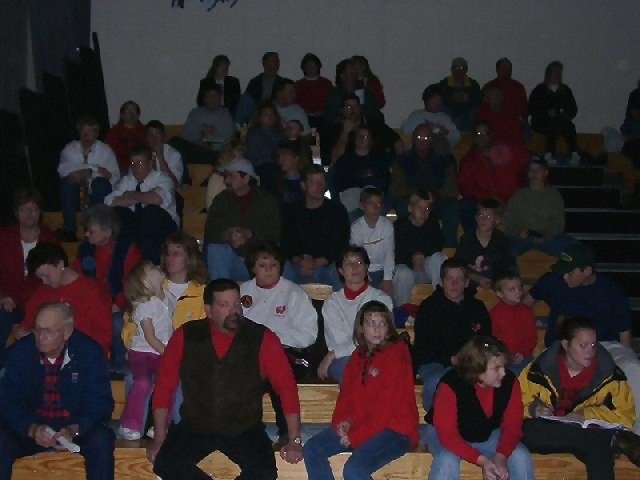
(485, 251)
(375, 233)
(513, 322)
(418, 240)
(444, 323)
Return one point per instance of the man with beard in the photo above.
(223, 363)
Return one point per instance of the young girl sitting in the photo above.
(477, 416)
(152, 312)
(376, 416)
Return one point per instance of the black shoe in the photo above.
(627, 443)
(66, 236)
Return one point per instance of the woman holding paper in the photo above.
(576, 381)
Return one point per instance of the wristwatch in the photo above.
(297, 440)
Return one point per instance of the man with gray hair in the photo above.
(56, 387)
(108, 257)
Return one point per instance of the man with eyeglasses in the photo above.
(56, 387)
(146, 202)
(224, 363)
(461, 95)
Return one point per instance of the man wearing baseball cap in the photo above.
(238, 218)
(574, 288)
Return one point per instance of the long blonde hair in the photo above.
(138, 289)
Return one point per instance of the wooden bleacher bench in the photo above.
(131, 463)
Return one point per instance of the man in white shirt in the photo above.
(145, 201)
(441, 124)
(88, 170)
(288, 109)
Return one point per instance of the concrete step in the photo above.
(576, 176)
(590, 197)
(591, 220)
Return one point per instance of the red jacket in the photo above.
(505, 125)
(122, 139)
(515, 96)
(311, 94)
(91, 305)
(378, 395)
(12, 279)
(515, 326)
(500, 175)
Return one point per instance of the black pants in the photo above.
(96, 447)
(591, 446)
(147, 228)
(183, 449)
(555, 128)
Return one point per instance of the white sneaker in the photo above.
(151, 432)
(551, 160)
(128, 433)
(575, 158)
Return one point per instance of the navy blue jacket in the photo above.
(85, 385)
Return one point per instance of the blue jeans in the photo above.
(430, 373)
(553, 246)
(446, 465)
(405, 278)
(96, 446)
(336, 369)
(118, 350)
(374, 454)
(70, 199)
(326, 275)
(224, 262)
(7, 321)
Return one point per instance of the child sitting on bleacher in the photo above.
(376, 417)
(374, 232)
(152, 312)
(513, 322)
(477, 416)
(418, 245)
(486, 250)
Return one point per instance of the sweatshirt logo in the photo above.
(374, 372)
(281, 309)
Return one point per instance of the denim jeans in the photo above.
(117, 362)
(7, 321)
(375, 453)
(446, 464)
(326, 275)
(224, 262)
(405, 278)
(336, 369)
(553, 246)
(430, 373)
(70, 199)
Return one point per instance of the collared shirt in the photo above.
(99, 155)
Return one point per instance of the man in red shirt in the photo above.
(223, 363)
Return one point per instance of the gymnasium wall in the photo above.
(156, 54)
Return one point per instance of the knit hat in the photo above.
(239, 165)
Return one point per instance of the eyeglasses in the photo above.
(136, 163)
(481, 134)
(485, 216)
(424, 138)
(353, 263)
(46, 332)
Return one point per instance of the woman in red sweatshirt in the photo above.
(376, 417)
(477, 416)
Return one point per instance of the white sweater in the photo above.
(285, 309)
(378, 242)
(339, 315)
